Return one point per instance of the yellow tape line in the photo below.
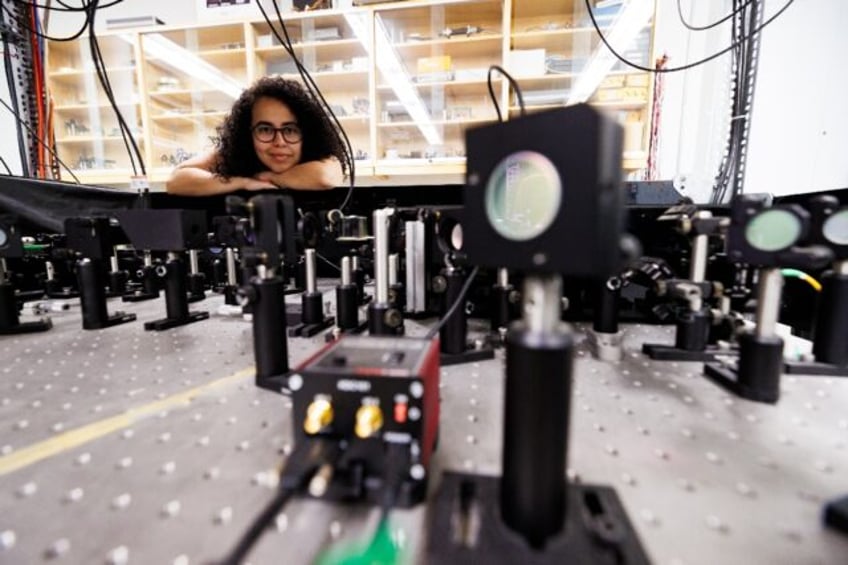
(74, 438)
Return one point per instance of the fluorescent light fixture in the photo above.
(395, 74)
(632, 18)
(182, 60)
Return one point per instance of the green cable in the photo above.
(380, 551)
(795, 273)
(35, 247)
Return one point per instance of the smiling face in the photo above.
(278, 154)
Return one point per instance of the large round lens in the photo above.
(835, 228)
(4, 237)
(523, 195)
(773, 230)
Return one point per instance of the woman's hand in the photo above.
(258, 183)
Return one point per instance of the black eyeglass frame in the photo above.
(285, 130)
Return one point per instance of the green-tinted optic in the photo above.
(773, 230)
(523, 195)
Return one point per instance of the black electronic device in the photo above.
(173, 231)
(769, 238)
(12, 247)
(92, 240)
(369, 393)
(543, 196)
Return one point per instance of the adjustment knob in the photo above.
(369, 420)
(319, 415)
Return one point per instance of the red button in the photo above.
(400, 413)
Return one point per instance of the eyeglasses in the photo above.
(267, 133)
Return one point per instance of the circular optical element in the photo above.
(835, 228)
(523, 195)
(773, 230)
(4, 236)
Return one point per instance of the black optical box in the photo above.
(583, 145)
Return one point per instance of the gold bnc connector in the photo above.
(319, 414)
(369, 420)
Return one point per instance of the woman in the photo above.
(276, 136)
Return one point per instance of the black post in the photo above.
(92, 294)
(270, 346)
(831, 337)
(453, 334)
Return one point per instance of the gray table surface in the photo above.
(127, 446)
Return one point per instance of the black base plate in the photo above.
(308, 330)
(725, 376)
(597, 530)
(139, 296)
(41, 325)
(814, 369)
(293, 315)
(275, 383)
(196, 297)
(168, 323)
(661, 352)
(468, 356)
(331, 336)
(836, 514)
(115, 319)
(63, 294)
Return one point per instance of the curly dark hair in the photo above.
(234, 144)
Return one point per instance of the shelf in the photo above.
(185, 96)
(193, 116)
(618, 105)
(546, 39)
(446, 123)
(77, 108)
(95, 138)
(240, 51)
(88, 71)
(435, 166)
(340, 80)
(457, 86)
(474, 46)
(330, 49)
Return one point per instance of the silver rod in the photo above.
(347, 276)
(393, 269)
(193, 262)
(51, 272)
(769, 289)
(310, 270)
(173, 255)
(503, 277)
(381, 254)
(231, 266)
(3, 271)
(148, 259)
(700, 251)
(113, 261)
(542, 302)
(355, 262)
